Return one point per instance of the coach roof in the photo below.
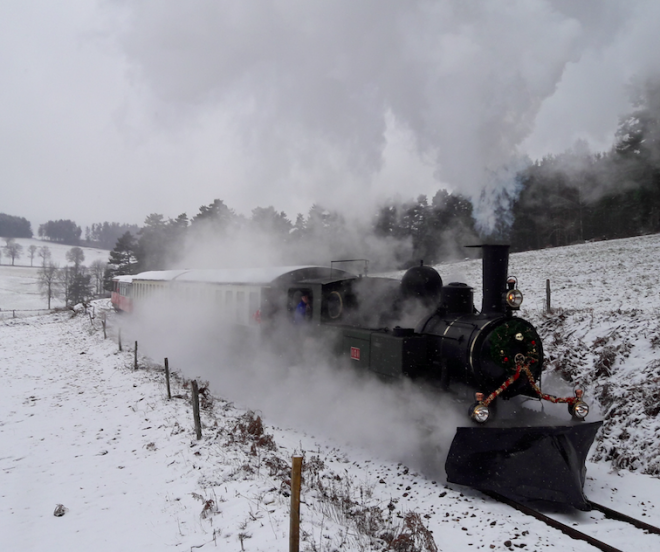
(245, 276)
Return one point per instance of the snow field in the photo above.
(19, 284)
(81, 428)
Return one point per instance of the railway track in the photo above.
(572, 531)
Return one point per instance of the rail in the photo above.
(572, 531)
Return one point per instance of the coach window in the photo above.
(253, 309)
(240, 307)
(229, 305)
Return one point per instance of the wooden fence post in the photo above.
(119, 339)
(294, 529)
(167, 378)
(135, 364)
(195, 402)
(103, 322)
(548, 305)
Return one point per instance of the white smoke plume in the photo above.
(318, 92)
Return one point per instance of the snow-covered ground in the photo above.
(81, 428)
(19, 283)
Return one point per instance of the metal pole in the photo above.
(548, 307)
(294, 531)
(167, 378)
(195, 401)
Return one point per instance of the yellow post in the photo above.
(294, 531)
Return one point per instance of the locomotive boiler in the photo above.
(491, 350)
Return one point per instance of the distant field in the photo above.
(19, 285)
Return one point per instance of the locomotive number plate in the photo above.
(355, 353)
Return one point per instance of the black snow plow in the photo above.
(524, 463)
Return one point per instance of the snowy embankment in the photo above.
(80, 427)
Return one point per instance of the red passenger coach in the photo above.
(121, 297)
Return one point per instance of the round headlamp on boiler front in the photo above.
(579, 410)
(479, 412)
(514, 298)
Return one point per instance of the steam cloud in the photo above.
(342, 103)
(398, 421)
(319, 92)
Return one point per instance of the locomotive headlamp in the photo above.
(479, 412)
(514, 298)
(579, 409)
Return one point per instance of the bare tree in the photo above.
(14, 249)
(44, 253)
(49, 281)
(64, 276)
(32, 251)
(97, 269)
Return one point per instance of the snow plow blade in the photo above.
(524, 463)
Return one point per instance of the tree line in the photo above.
(578, 196)
(561, 200)
(14, 227)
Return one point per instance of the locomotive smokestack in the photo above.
(495, 269)
(495, 266)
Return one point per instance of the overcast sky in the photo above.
(114, 109)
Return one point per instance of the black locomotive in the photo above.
(414, 328)
(491, 352)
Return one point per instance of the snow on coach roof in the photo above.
(251, 276)
(160, 275)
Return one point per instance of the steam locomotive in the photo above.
(493, 353)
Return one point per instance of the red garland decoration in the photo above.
(520, 367)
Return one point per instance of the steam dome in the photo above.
(422, 282)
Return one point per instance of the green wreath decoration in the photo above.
(511, 338)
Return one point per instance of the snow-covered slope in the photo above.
(80, 427)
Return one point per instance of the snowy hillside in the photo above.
(19, 285)
(80, 427)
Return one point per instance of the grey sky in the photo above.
(111, 110)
